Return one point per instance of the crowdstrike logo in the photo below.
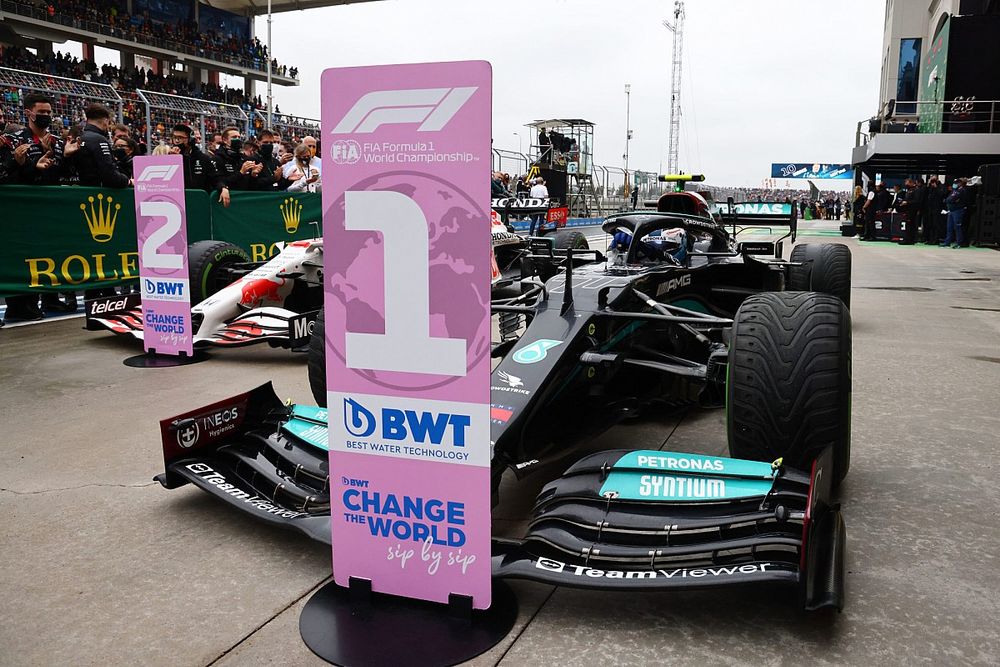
(431, 107)
(162, 172)
(512, 380)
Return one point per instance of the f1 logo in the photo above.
(161, 172)
(431, 107)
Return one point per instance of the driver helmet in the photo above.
(666, 242)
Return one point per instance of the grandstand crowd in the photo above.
(112, 19)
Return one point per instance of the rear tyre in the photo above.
(209, 263)
(317, 361)
(788, 393)
(827, 270)
(568, 238)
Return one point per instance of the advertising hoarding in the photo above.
(161, 231)
(407, 289)
(811, 170)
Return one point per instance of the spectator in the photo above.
(538, 191)
(303, 172)
(95, 163)
(312, 144)
(857, 210)
(163, 149)
(123, 150)
(933, 230)
(497, 190)
(957, 203)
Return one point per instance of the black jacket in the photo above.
(27, 174)
(199, 170)
(95, 163)
(227, 170)
(934, 200)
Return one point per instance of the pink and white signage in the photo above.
(163, 260)
(406, 213)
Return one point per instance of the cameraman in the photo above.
(199, 168)
(95, 162)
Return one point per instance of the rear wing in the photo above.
(760, 215)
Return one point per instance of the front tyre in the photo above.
(788, 393)
(569, 238)
(208, 267)
(827, 269)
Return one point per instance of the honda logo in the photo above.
(161, 172)
(431, 107)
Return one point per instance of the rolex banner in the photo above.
(63, 239)
(407, 288)
(259, 221)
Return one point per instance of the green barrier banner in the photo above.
(258, 221)
(64, 239)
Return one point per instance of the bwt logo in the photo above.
(345, 152)
(431, 107)
(163, 172)
(422, 427)
(164, 288)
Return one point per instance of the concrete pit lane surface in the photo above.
(101, 566)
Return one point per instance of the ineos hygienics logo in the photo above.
(188, 436)
(159, 172)
(431, 107)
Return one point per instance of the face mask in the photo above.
(119, 153)
(266, 150)
(236, 145)
(42, 121)
(954, 186)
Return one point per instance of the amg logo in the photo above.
(431, 107)
(672, 284)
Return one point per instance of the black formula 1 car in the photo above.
(677, 313)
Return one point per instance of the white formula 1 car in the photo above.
(237, 302)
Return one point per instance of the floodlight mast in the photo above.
(674, 136)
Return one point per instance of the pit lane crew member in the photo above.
(34, 155)
(233, 169)
(199, 168)
(95, 162)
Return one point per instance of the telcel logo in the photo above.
(420, 427)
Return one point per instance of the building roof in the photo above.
(258, 7)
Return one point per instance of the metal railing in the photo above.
(960, 115)
(39, 13)
(163, 111)
(286, 125)
(69, 96)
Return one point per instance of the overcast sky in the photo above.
(764, 81)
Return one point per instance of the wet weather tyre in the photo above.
(788, 392)
(317, 362)
(209, 263)
(568, 238)
(827, 270)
